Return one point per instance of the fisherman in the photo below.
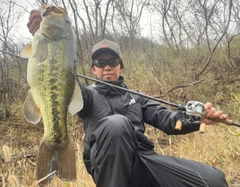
(116, 151)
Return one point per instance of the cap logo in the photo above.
(104, 45)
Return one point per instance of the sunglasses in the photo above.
(101, 63)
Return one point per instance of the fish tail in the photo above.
(60, 159)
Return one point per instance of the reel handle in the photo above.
(202, 127)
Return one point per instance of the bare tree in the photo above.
(198, 24)
(232, 37)
(128, 15)
(224, 27)
(97, 12)
(8, 18)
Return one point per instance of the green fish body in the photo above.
(53, 92)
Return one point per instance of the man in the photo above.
(116, 151)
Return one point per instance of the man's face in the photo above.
(107, 73)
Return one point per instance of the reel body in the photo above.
(195, 112)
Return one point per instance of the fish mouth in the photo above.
(54, 10)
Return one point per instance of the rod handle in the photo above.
(225, 121)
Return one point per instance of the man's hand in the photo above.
(34, 21)
(212, 115)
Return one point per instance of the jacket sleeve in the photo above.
(164, 119)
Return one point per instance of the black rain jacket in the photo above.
(101, 100)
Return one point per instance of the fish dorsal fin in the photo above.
(30, 111)
(41, 51)
(27, 51)
(76, 103)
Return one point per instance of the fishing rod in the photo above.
(180, 107)
(194, 109)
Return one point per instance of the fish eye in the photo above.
(67, 20)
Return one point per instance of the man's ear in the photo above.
(93, 70)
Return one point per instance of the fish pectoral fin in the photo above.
(30, 111)
(56, 158)
(76, 103)
(27, 51)
(41, 52)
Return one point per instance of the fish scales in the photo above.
(53, 91)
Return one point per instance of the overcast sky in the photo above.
(26, 6)
(21, 33)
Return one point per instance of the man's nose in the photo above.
(107, 67)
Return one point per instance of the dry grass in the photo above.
(18, 152)
(217, 147)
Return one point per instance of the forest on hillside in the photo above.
(198, 39)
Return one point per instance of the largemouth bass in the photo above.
(51, 76)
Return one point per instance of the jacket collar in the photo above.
(108, 90)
